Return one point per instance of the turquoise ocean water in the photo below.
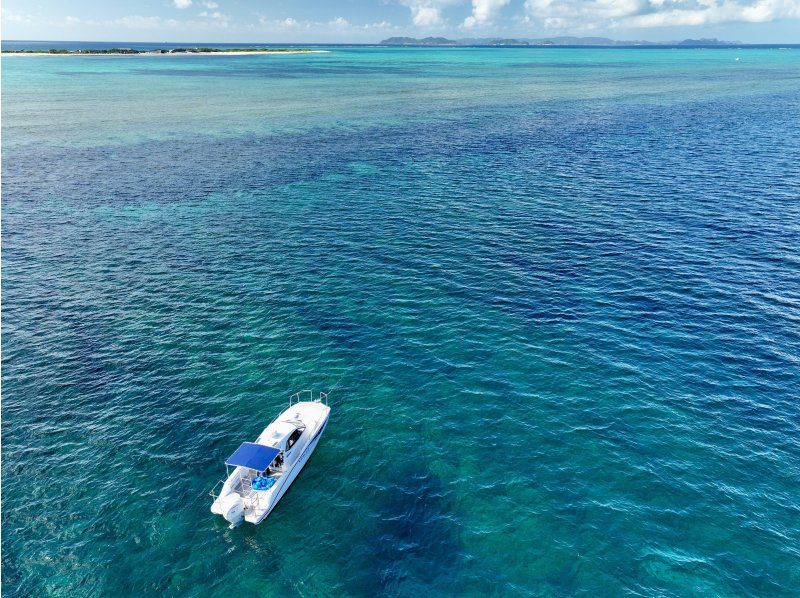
(555, 293)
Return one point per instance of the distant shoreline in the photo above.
(552, 41)
(171, 52)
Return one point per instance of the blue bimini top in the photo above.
(253, 456)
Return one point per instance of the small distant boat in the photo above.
(263, 470)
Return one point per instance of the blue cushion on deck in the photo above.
(261, 482)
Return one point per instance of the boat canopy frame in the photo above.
(251, 455)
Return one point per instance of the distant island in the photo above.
(91, 52)
(551, 41)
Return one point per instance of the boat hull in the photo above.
(289, 477)
(237, 502)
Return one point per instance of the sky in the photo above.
(369, 21)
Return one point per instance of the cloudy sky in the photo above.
(757, 21)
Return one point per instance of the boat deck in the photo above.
(256, 502)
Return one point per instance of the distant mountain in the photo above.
(413, 41)
(586, 41)
(491, 41)
(706, 42)
(551, 41)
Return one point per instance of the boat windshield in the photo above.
(294, 437)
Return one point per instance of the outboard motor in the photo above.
(233, 509)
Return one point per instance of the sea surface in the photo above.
(554, 294)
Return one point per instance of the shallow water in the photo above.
(555, 293)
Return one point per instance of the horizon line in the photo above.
(720, 43)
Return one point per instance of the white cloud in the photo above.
(139, 22)
(211, 15)
(378, 25)
(218, 18)
(618, 14)
(135, 22)
(16, 17)
(483, 11)
(209, 5)
(283, 24)
(427, 13)
(182, 3)
(340, 24)
(427, 16)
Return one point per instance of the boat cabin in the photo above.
(264, 461)
(283, 435)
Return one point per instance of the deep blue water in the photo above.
(555, 293)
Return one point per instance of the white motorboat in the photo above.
(263, 470)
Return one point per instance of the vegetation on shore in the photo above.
(157, 51)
